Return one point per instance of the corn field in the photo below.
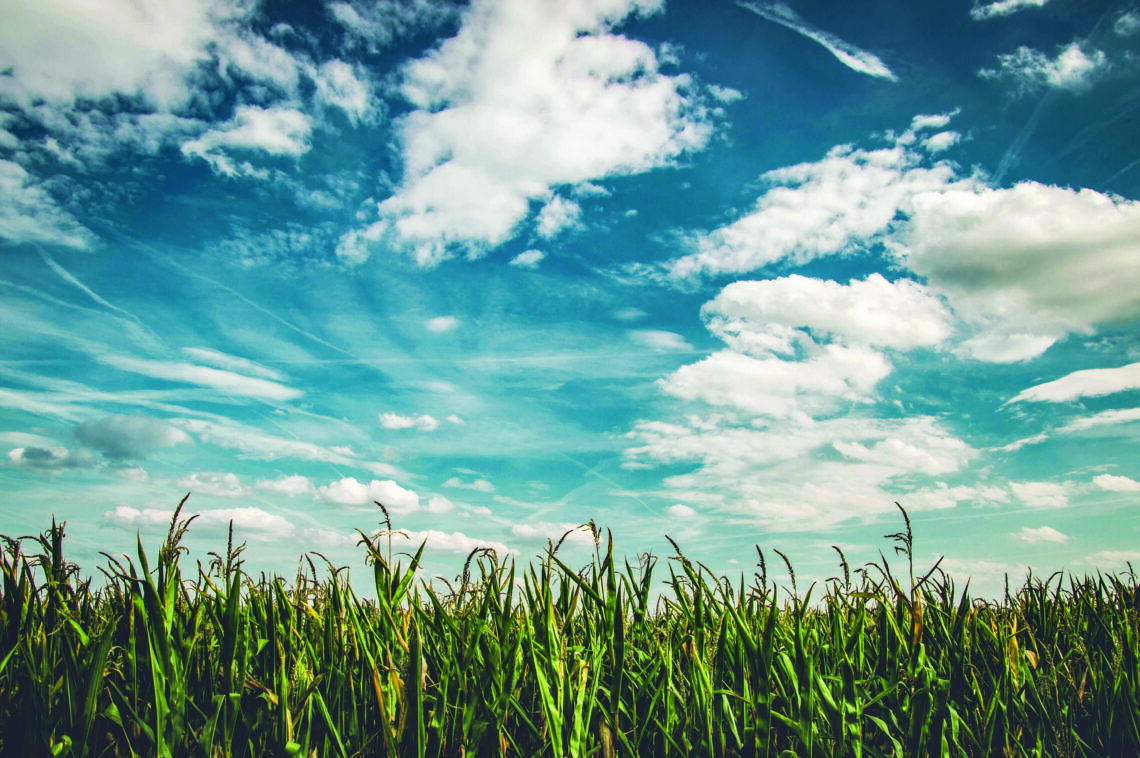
(553, 660)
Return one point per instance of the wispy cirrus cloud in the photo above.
(849, 55)
(221, 380)
(1085, 383)
(983, 11)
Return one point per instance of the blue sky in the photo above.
(740, 273)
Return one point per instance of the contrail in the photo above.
(846, 53)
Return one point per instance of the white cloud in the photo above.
(455, 542)
(776, 315)
(1087, 383)
(846, 53)
(439, 504)
(680, 512)
(276, 131)
(378, 22)
(255, 522)
(541, 531)
(453, 419)
(846, 200)
(227, 362)
(50, 458)
(287, 485)
(340, 85)
(1029, 70)
(1127, 24)
(441, 324)
(937, 143)
(1113, 483)
(1104, 418)
(530, 95)
(61, 50)
(28, 212)
(780, 388)
(216, 484)
(528, 259)
(660, 340)
(1041, 494)
(226, 382)
(1040, 534)
(479, 485)
(1003, 8)
(348, 491)
(558, 214)
(254, 443)
(127, 437)
(1116, 558)
(790, 473)
(1028, 263)
(629, 314)
(423, 422)
(1000, 346)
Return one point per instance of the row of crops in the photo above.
(555, 660)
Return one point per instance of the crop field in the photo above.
(557, 660)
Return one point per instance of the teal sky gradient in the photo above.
(742, 273)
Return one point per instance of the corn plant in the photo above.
(550, 659)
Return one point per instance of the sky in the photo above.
(740, 273)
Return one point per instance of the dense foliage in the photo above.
(553, 661)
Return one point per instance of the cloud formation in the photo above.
(1029, 70)
(846, 53)
(529, 96)
(128, 437)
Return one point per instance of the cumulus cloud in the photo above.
(1040, 534)
(423, 422)
(541, 531)
(1041, 494)
(287, 485)
(29, 213)
(1086, 383)
(800, 473)
(128, 437)
(855, 59)
(455, 542)
(528, 259)
(771, 386)
(60, 50)
(776, 315)
(478, 484)
(1029, 70)
(558, 214)
(342, 86)
(375, 23)
(529, 96)
(212, 483)
(50, 458)
(1002, 8)
(275, 131)
(801, 345)
(441, 324)
(1113, 483)
(348, 491)
(254, 522)
(680, 512)
(845, 201)
(1127, 24)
